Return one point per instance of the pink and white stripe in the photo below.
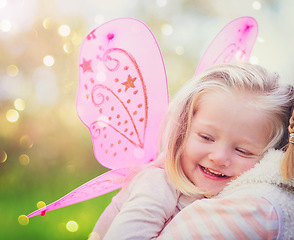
(243, 217)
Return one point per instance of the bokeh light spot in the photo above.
(24, 159)
(101, 76)
(67, 48)
(3, 156)
(41, 204)
(180, 50)
(3, 3)
(23, 220)
(254, 60)
(64, 30)
(5, 25)
(99, 19)
(167, 29)
(260, 40)
(103, 121)
(47, 23)
(139, 153)
(19, 104)
(26, 141)
(48, 61)
(12, 70)
(76, 39)
(72, 226)
(256, 5)
(12, 115)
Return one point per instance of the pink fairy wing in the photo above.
(122, 96)
(98, 186)
(233, 44)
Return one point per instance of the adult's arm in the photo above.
(240, 217)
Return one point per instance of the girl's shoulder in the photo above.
(153, 181)
(150, 175)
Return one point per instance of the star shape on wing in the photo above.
(86, 65)
(129, 83)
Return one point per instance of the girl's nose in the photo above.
(220, 155)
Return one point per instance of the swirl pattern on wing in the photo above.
(116, 89)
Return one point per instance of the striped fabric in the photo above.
(243, 218)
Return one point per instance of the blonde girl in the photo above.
(259, 203)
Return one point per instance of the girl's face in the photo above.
(227, 137)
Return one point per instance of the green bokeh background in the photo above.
(56, 145)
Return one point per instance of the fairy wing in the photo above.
(122, 99)
(98, 186)
(122, 96)
(233, 44)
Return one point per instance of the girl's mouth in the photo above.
(213, 173)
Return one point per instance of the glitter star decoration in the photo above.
(86, 65)
(129, 83)
(91, 35)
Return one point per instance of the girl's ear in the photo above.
(288, 161)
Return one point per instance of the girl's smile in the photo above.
(226, 138)
(213, 174)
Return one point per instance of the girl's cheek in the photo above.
(247, 166)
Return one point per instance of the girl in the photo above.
(218, 127)
(259, 203)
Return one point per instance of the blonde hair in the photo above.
(288, 161)
(268, 95)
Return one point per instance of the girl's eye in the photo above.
(244, 152)
(206, 137)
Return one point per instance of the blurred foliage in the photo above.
(60, 159)
(49, 151)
